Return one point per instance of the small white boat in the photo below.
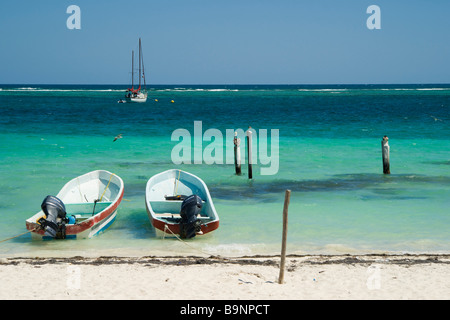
(179, 203)
(83, 208)
(139, 94)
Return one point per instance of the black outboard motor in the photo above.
(189, 224)
(55, 217)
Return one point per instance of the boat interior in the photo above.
(85, 210)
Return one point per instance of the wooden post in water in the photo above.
(385, 155)
(249, 152)
(237, 154)
(287, 198)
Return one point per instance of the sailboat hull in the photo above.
(140, 97)
(139, 100)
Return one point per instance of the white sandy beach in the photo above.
(252, 278)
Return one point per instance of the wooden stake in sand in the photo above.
(287, 198)
(385, 154)
(249, 152)
(237, 154)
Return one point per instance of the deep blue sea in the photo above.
(328, 153)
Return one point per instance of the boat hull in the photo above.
(77, 233)
(164, 229)
(140, 98)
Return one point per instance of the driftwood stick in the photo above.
(287, 198)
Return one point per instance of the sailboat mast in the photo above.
(132, 70)
(139, 64)
(143, 71)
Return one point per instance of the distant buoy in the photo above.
(172, 101)
(156, 100)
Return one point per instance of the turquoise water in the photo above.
(329, 156)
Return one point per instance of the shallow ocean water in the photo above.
(329, 155)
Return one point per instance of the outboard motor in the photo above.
(54, 221)
(189, 224)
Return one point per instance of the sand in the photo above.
(249, 278)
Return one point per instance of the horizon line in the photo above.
(231, 84)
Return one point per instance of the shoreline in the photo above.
(307, 277)
(347, 258)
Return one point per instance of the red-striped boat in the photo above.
(179, 204)
(84, 207)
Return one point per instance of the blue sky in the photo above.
(226, 42)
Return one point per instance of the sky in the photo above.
(226, 42)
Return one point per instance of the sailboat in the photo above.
(139, 94)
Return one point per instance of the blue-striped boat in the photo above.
(89, 202)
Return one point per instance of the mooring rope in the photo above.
(100, 199)
(18, 235)
(112, 174)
